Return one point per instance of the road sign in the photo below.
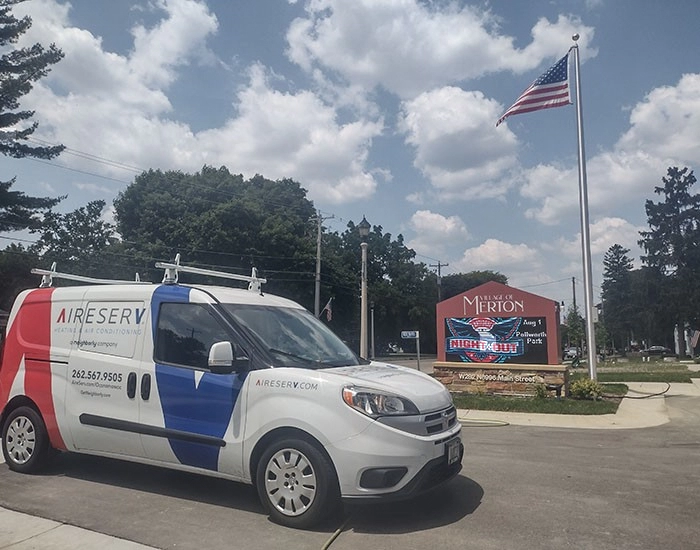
(413, 335)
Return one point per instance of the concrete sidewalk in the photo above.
(24, 532)
(645, 407)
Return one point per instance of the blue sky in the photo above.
(382, 108)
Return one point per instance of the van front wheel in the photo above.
(25, 442)
(296, 483)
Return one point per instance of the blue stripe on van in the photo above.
(205, 409)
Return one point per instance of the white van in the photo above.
(226, 382)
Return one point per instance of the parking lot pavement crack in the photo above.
(35, 536)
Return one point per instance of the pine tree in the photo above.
(672, 244)
(19, 69)
(617, 294)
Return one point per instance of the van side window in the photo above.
(185, 333)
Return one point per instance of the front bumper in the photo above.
(432, 475)
(385, 463)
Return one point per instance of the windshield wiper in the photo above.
(315, 362)
(305, 360)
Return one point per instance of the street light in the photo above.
(363, 227)
(371, 330)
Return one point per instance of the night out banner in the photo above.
(496, 339)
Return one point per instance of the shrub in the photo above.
(541, 391)
(585, 388)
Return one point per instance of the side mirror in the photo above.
(222, 359)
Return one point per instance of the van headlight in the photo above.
(375, 403)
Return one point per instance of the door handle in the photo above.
(145, 387)
(131, 385)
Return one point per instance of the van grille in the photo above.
(428, 424)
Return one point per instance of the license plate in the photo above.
(452, 451)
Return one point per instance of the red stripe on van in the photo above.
(11, 358)
(30, 336)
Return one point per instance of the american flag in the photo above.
(549, 90)
(328, 309)
(694, 338)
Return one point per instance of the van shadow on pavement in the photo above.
(129, 486)
(126, 475)
(443, 506)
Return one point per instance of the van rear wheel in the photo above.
(296, 483)
(25, 441)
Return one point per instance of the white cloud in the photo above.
(176, 40)
(667, 123)
(457, 146)
(48, 188)
(137, 80)
(496, 255)
(435, 231)
(108, 215)
(664, 131)
(117, 107)
(296, 135)
(388, 43)
(604, 233)
(554, 188)
(112, 105)
(93, 188)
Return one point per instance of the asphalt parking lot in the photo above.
(521, 487)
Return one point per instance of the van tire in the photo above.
(296, 483)
(25, 441)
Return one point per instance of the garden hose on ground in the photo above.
(482, 423)
(336, 533)
(643, 395)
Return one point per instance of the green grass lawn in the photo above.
(550, 405)
(641, 376)
(611, 375)
(639, 371)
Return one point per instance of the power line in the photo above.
(90, 156)
(544, 284)
(429, 258)
(78, 171)
(116, 164)
(152, 260)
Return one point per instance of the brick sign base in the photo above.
(502, 378)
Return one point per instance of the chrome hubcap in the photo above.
(290, 482)
(21, 440)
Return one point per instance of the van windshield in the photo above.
(294, 336)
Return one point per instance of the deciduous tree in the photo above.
(76, 240)
(216, 219)
(457, 283)
(16, 263)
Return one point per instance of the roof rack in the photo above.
(47, 276)
(170, 276)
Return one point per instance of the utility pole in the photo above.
(573, 290)
(439, 265)
(317, 293)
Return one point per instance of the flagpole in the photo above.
(585, 231)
